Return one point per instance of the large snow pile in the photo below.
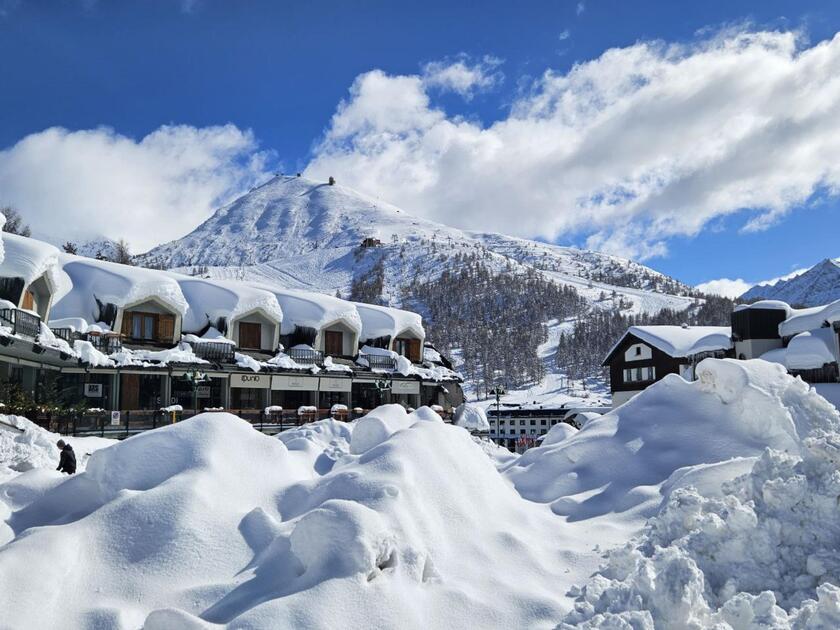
(398, 520)
(471, 417)
(764, 555)
(617, 462)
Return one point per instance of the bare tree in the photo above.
(70, 247)
(14, 222)
(122, 253)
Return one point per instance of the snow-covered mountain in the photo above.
(327, 238)
(819, 285)
(308, 234)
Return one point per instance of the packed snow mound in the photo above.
(763, 555)
(209, 522)
(471, 417)
(558, 433)
(618, 461)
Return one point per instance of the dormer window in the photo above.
(154, 327)
(409, 348)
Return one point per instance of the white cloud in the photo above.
(462, 76)
(725, 287)
(738, 286)
(581, 7)
(79, 184)
(564, 35)
(626, 150)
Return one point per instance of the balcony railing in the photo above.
(380, 362)
(214, 351)
(66, 334)
(107, 344)
(21, 322)
(306, 356)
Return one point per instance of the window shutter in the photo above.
(126, 324)
(166, 327)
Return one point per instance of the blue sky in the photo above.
(276, 73)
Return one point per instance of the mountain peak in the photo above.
(818, 285)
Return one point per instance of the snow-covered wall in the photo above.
(313, 310)
(30, 259)
(210, 300)
(112, 283)
(382, 321)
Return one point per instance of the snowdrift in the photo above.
(617, 462)
(395, 521)
(762, 556)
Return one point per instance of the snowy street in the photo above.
(399, 520)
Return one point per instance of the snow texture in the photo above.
(615, 463)
(413, 529)
(683, 341)
(807, 350)
(312, 310)
(29, 259)
(211, 300)
(471, 417)
(381, 321)
(107, 282)
(805, 319)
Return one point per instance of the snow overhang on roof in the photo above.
(680, 341)
(210, 300)
(112, 283)
(801, 320)
(29, 259)
(382, 321)
(806, 351)
(774, 305)
(312, 310)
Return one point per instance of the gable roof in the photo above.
(678, 341)
(381, 321)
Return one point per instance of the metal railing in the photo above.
(305, 356)
(66, 334)
(214, 351)
(21, 322)
(380, 362)
(107, 344)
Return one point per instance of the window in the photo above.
(638, 350)
(543, 422)
(533, 423)
(640, 374)
(250, 335)
(409, 348)
(148, 326)
(333, 343)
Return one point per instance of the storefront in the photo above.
(142, 390)
(249, 391)
(209, 393)
(94, 390)
(334, 390)
(291, 391)
(406, 393)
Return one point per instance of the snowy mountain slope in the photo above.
(819, 285)
(303, 234)
(306, 234)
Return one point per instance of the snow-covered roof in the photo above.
(681, 341)
(312, 310)
(381, 321)
(776, 305)
(806, 351)
(804, 319)
(29, 259)
(211, 299)
(122, 285)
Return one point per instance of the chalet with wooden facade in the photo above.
(645, 354)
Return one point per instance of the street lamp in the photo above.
(196, 378)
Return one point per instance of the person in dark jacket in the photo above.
(67, 461)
